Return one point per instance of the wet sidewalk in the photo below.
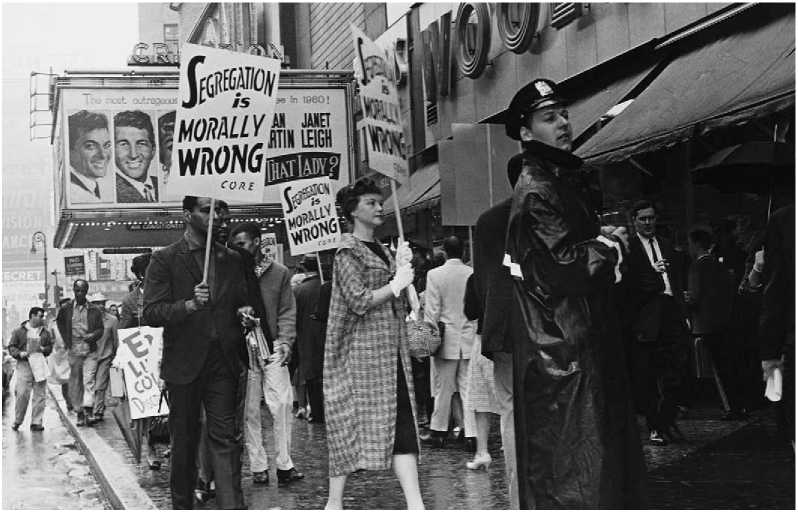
(45, 470)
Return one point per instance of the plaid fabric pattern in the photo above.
(360, 362)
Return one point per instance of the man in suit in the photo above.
(89, 154)
(777, 320)
(653, 279)
(444, 303)
(709, 296)
(134, 149)
(80, 325)
(494, 287)
(133, 302)
(203, 339)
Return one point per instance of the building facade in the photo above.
(615, 62)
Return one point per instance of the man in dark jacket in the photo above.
(201, 355)
(133, 303)
(499, 312)
(576, 437)
(309, 339)
(655, 290)
(709, 296)
(777, 320)
(80, 325)
(30, 338)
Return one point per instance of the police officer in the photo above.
(574, 416)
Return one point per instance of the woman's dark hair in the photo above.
(348, 197)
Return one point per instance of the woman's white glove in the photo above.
(403, 254)
(402, 279)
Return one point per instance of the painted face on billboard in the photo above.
(133, 151)
(166, 130)
(91, 152)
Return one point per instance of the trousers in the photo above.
(451, 375)
(274, 385)
(24, 387)
(214, 388)
(96, 374)
(76, 387)
(503, 378)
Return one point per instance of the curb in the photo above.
(117, 481)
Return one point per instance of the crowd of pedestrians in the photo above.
(563, 327)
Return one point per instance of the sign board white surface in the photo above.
(225, 108)
(382, 120)
(139, 356)
(311, 221)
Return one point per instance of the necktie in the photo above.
(148, 195)
(654, 253)
(97, 190)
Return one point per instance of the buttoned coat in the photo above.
(444, 301)
(361, 347)
(171, 277)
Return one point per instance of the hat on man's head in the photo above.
(537, 94)
(97, 297)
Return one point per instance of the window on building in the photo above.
(171, 37)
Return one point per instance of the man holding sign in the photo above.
(202, 356)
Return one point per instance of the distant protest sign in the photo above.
(310, 217)
(382, 121)
(139, 356)
(225, 109)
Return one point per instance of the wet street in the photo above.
(723, 465)
(45, 470)
(727, 465)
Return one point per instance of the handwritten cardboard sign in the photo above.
(139, 356)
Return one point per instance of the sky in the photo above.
(38, 37)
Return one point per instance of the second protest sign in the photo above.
(311, 221)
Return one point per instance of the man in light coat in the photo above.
(269, 379)
(444, 305)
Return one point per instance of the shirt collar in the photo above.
(90, 184)
(75, 305)
(646, 240)
(192, 241)
(138, 185)
(454, 261)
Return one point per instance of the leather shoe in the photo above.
(81, 419)
(288, 475)
(261, 477)
(434, 439)
(37, 428)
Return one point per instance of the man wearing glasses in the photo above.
(654, 281)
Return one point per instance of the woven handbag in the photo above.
(423, 338)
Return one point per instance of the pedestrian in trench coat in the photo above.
(360, 362)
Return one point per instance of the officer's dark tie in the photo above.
(97, 190)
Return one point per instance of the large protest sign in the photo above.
(139, 356)
(382, 122)
(225, 109)
(310, 217)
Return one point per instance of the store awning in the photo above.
(740, 77)
(586, 111)
(423, 185)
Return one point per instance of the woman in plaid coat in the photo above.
(369, 402)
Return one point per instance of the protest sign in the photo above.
(310, 217)
(270, 248)
(225, 109)
(383, 137)
(139, 356)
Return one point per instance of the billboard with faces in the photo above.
(118, 147)
(114, 145)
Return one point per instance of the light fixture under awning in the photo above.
(739, 77)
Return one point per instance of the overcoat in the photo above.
(309, 332)
(577, 443)
(360, 365)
